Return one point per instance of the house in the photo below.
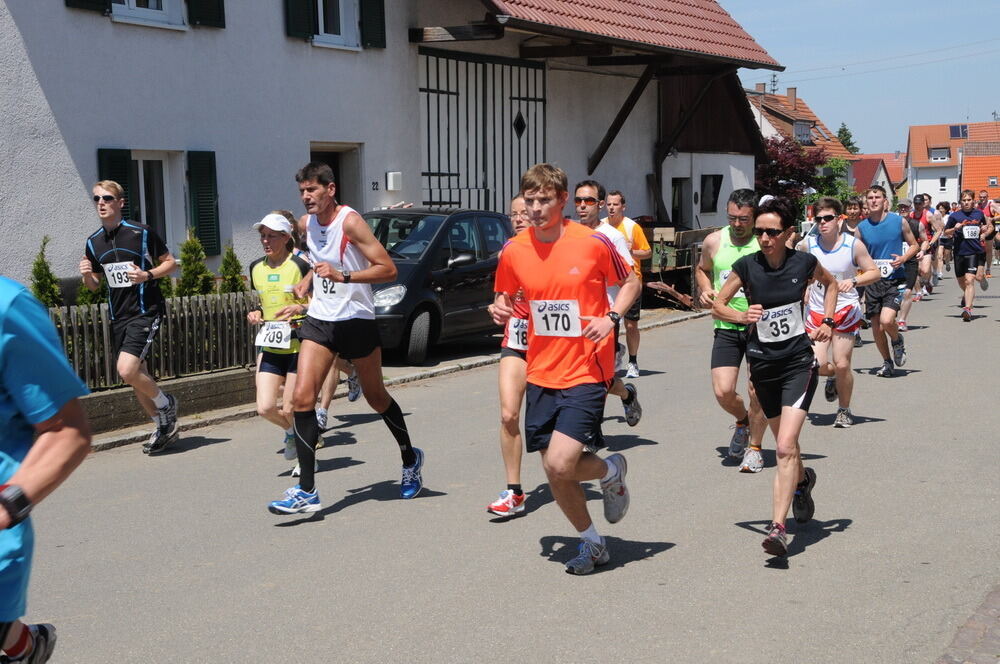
(934, 160)
(789, 115)
(870, 171)
(895, 164)
(204, 109)
(981, 164)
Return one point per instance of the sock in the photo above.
(306, 434)
(612, 470)
(744, 422)
(393, 418)
(22, 647)
(755, 447)
(160, 400)
(632, 359)
(591, 535)
(630, 398)
(516, 488)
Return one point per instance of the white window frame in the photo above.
(992, 180)
(174, 209)
(170, 17)
(940, 154)
(350, 35)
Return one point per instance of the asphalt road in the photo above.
(175, 558)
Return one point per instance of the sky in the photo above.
(880, 65)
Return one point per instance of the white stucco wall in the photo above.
(926, 180)
(737, 173)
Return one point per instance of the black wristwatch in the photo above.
(614, 316)
(828, 321)
(15, 502)
(347, 277)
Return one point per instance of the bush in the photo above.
(167, 286)
(44, 284)
(196, 278)
(86, 296)
(231, 273)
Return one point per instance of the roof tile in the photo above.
(977, 171)
(779, 112)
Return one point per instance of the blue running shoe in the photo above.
(296, 501)
(412, 482)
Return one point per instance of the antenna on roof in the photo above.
(996, 116)
(774, 83)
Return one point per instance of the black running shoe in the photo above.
(830, 389)
(802, 503)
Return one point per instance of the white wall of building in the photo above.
(927, 180)
(737, 173)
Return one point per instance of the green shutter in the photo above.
(373, 23)
(211, 13)
(300, 19)
(102, 6)
(115, 164)
(204, 200)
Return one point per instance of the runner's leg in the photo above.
(268, 385)
(370, 374)
(786, 428)
(133, 371)
(315, 361)
(512, 377)
(566, 466)
(843, 349)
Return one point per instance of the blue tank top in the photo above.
(884, 240)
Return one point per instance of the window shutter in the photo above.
(115, 164)
(102, 6)
(204, 200)
(373, 23)
(300, 19)
(211, 13)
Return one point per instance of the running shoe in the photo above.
(887, 370)
(753, 461)
(966, 314)
(321, 418)
(738, 443)
(290, 451)
(947, 267)
(803, 506)
(591, 555)
(159, 441)
(858, 343)
(830, 389)
(632, 370)
(297, 470)
(844, 418)
(901, 324)
(929, 288)
(865, 323)
(508, 504)
(616, 496)
(962, 303)
(633, 411)
(776, 542)
(167, 416)
(412, 481)
(44, 639)
(353, 386)
(985, 284)
(296, 501)
(899, 351)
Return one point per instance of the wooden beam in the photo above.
(693, 70)
(602, 148)
(624, 60)
(476, 32)
(564, 51)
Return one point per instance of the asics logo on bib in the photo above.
(775, 313)
(552, 306)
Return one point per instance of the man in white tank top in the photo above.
(347, 259)
(848, 260)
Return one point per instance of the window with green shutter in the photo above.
(210, 13)
(116, 164)
(203, 201)
(301, 19)
(373, 23)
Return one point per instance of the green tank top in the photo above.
(722, 265)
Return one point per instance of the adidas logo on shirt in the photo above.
(574, 270)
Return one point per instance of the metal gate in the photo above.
(483, 125)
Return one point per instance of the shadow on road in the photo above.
(329, 464)
(900, 373)
(381, 491)
(769, 456)
(622, 442)
(561, 550)
(355, 419)
(826, 419)
(642, 372)
(188, 443)
(803, 535)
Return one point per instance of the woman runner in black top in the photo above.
(779, 352)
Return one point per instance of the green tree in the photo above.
(167, 286)
(231, 273)
(86, 296)
(832, 181)
(196, 278)
(44, 284)
(847, 139)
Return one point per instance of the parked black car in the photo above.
(446, 261)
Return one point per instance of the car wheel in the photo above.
(419, 338)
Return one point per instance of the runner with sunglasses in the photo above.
(779, 351)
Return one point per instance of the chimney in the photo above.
(761, 87)
(791, 98)
(897, 154)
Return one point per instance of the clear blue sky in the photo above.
(880, 66)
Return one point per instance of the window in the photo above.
(958, 131)
(803, 133)
(350, 24)
(160, 13)
(942, 184)
(337, 23)
(992, 181)
(495, 233)
(710, 186)
(940, 154)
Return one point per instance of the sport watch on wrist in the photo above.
(347, 277)
(828, 321)
(15, 502)
(614, 316)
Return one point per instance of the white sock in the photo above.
(612, 470)
(591, 535)
(160, 400)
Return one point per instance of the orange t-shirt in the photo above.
(635, 237)
(561, 281)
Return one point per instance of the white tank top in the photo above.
(839, 263)
(337, 301)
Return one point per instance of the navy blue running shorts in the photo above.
(279, 364)
(575, 412)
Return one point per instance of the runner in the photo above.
(512, 381)
(989, 210)
(844, 257)
(911, 267)
(640, 250)
(852, 217)
(125, 252)
(340, 322)
(946, 242)
(589, 199)
(562, 269)
(883, 233)
(782, 363)
(967, 226)
(45, 436)
(719, 251)
(929, 231)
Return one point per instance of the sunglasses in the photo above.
(770, 232)
(107, 198)
(588, 201)
(825, 217)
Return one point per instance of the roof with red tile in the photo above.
(698, 27)
(925, 137)
(782, 111)
(865, 171)
(895, 164)
(977, 171)
(984, 131)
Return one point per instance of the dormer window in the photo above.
(940, 154)
(803, 132)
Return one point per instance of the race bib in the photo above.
(780, 323)
(885, 268)
(517, 334)
(117, 274)
(724, 276)
(327, 289)
(556, 318)
(970, 232)
(275, 334)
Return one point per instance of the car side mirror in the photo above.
(460, 260)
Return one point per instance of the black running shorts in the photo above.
(728, 348)
(513, 352)
(575, 411)
(135, 335)
(911, 269)
(968, 264)
(279, 364)
(883, 294)
(635, 310)
(789, 381)
(351, 338)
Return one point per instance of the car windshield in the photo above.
(405, 237)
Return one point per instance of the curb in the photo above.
(129, 436)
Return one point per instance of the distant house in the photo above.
(789, 115)
(895, 165)
(981, 168)
(947, 158)
(870, 171)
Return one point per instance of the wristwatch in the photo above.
(614, 316)
(854, 280)
(828, 321)
(347, 277)
(149, 275)
(15, 502)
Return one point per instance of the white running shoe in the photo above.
(753, 461)
(290, 451)
(321, 416)
(353, 386)
(632, 370)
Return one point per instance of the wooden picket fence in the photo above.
(198, 334)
